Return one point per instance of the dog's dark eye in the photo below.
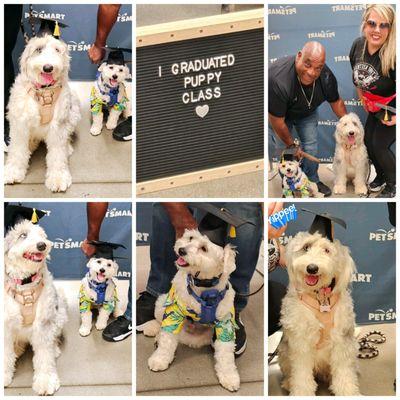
(39, 49)
(327, 251)
(23, 235)
(108, 265)
(111, 67)
(58, 50)
(120, 70)
(190, 238)
(306, 247)
(203, 248)
(354, 123)
(98, 262)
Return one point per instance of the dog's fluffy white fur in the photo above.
(51, 313)
(111, 75)
(100, 270)
(26, 130)
(350, 161)
(299, 358)
(305, 188)
(208, 260)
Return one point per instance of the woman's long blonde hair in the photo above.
(387, 52)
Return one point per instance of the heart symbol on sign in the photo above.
(202, 111)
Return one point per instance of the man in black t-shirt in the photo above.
(298, 85)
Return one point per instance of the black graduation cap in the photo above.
(289, 154)
(17, 213)
(323, 223)
(218, 223)
(47, 25)
(116, 55)
(105, 249)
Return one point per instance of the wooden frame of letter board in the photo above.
(193, 29)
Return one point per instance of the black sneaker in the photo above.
(118, 330)
(388, 192)
(377, 184)
(241, 338)
(123, 131)
(322, 188)
(145, 306)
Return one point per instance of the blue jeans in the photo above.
(307, 132)
(128, 311)
(247, 242)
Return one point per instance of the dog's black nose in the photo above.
(47, 68)
(289, 170)
(115, 76)
(41, 246)
(102, 270)
(182, 251)
(351, 133)
(312, 269)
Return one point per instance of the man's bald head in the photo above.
(309, 62)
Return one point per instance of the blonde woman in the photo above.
(373, 60)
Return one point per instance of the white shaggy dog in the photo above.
(99, 290)
(317, 318)
(200, 259)
(351, 159)
(34, 313)
(42, 107)
(109, 91)
(295, 182)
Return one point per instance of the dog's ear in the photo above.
(347, 267)
(229, 259)
(102, 66)
(116, 267)
(127, 73)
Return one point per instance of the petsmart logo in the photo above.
(75, 46)
(361, 278)
(44, 14)
(113, 213)
(353, 102)
(382, 315)
(382, 235)
(321, 35)
(348, 7)
(327, 122)
(274, 36)
(124, 17)
(61, 244)
(142, 236)
(341, 58)
(326, 159)
(124, 274)
(282, 10)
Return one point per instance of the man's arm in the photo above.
(180, 217)
(280, 128)
(338, 107)
(107, 14)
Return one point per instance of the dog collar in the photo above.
(46, 97)
(99, 287)
(204, 282)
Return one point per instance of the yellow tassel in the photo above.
(56, 30)
(232, 232)
(386, 116)
(34, 218)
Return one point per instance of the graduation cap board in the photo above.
(218, 223)
(323, 224)
(13, 214)
(116, 55)
(48, 26)
(289, 154)
(105, 249)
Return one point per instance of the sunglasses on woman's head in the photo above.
(383, 25)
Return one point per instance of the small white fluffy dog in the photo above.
(200, 258)
(34, 313)
(99, 290)
(296, 181)
(317, 318)
(42, 107)
(351, 159)
(109, 91)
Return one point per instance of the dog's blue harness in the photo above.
(100, 289)
(291, 182)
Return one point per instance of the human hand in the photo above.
(391, 122)
(274, 233)
(96, 53)
(88, 248)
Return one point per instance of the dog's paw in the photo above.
(111, 125)
(100, 325)
(361, 189)
(13, 174)
(151, 328)
(96, 130)
(84, 330)
(156, 363)
(45, 384)
(8, 377)
(58, 181)
(230, 381)
(339, 189)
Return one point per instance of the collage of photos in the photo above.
(137, 175)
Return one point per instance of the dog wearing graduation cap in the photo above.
(42, 108)
(99, 288)
(109, 91)
(199, 308)
(295, 182)
(34, 311)
(317, 314)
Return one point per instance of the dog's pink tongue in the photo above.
(47, 79)
(351, 139)
(181, 262)
(311, 280)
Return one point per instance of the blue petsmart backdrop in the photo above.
(371, 239)
(66, 227)
(82, 22)
(336, 27)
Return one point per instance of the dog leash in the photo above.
(367, 349)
